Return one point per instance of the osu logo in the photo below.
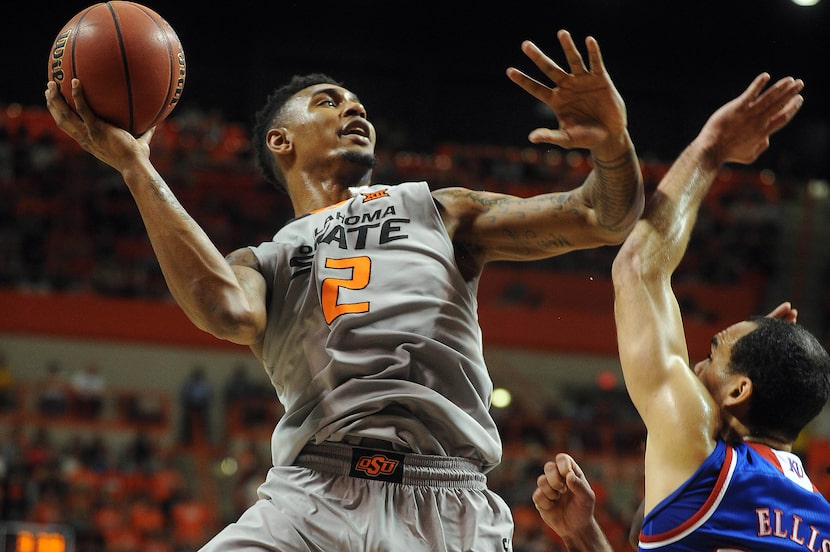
(376, 465)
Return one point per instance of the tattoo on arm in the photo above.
(554, 241)
(613, 189)
(165, 195)
(243, 257)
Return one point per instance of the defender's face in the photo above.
(714, 371)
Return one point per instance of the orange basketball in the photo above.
(129, 60)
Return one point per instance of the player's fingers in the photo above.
(544, 487)
(529, 84)
(792, 316)
(59, 109)
(54, 99)
(754, 89)
(786, 114)
(578, 485)
(778, 96)
(80, 101)
(781, 311)
(147, 136)
(571, 53)
(784, 105)
(566, 463)
(783, 89)
(575, 479)
(550, 136)
(53, 103)
(541, 500)
(543, 62)
(554, 478)
(597, 65)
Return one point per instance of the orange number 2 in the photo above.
(360, 267)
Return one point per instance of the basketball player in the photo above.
(363, 307)
(719, 469)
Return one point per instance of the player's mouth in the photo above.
(358, 129)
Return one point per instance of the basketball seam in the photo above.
(74, 44)
(172, 67)
(126, 64)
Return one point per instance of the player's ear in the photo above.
(740, 391)
(279, 141)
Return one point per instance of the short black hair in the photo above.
(790, 373)
(266, 117)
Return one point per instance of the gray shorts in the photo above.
(344, 498)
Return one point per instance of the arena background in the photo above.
(432, 73)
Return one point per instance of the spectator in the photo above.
(238, 386)
(193, 522)
(166, 482)
(53, 400)
(249, 404)
(196, 396)
(252, 466)
(87, 387)
(7, 387)
(145, 516)
(110, 518)
(14, 474)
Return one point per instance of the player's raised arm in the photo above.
(592, 116)
(199, 278)
(679, 413)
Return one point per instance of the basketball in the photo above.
(130, 62)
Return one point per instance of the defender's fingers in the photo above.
(543, 486)
(777, 95)
(542, 501)
(566, 463)
(785, 115)
(555, 478)
(754, 89)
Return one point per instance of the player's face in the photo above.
(714, 371)
(330, 121)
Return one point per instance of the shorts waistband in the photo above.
(393, 467)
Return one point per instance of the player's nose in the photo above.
(354, 108)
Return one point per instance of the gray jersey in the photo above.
(373, 332)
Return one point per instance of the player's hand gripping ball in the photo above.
(129, 60)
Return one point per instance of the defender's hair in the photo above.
(790, 373)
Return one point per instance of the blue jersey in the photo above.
(745, 496)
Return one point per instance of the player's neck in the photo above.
(316, 200)
(771, 442)
(735, 430)
(311, 191)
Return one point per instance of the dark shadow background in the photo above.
(432, 72)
